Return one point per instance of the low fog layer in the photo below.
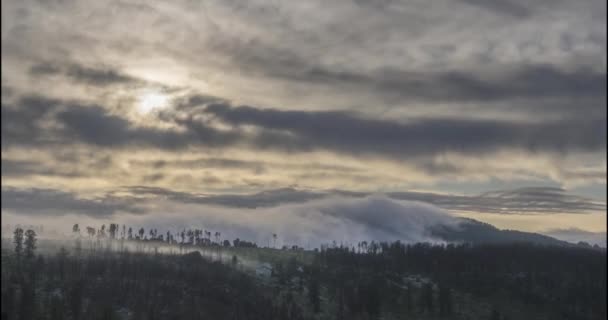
(309, 225)
(575, 235)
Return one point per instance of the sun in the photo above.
(150, 101)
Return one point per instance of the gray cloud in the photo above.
(26, 123)
(534, 200)
(25, 168)
(22, 125)
(93, 76)
(262, 199)
(83, 74)
(506, 7)
(350, 133)
(518, 201)
(514, 82)
(249, 165)
(94, 125)
(35, 201)
(298, 131)
(202, 163)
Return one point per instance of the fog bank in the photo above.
(310, 224)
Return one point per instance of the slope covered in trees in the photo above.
(473, 231)
(106, 278)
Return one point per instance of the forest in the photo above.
(133, 273)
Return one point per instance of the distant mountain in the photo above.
(576, 235)
(476, 232)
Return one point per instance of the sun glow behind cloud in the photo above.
(150, 101)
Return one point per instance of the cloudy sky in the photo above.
(490, 109)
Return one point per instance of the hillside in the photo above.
(476, 232)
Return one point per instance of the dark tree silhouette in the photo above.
(18, 241)
(112, 230)
(30, 243)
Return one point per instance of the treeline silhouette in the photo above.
(549, 281)
(375, 280)
(186, 236)
(116, 235)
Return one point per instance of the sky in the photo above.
(493, 110)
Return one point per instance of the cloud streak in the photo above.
(523, 201)
(83, 75)
(300, 131)
(37, 202)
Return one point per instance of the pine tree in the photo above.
(18, 241)
(30, 243)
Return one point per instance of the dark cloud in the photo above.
(538, 200)
(45, 69)
(26, 123)
(296, 131)
(261, 199)
(502, 7)
(36, 201)
(256, 167)
(518, 201)
(352, 134)
(70, 165)
(533, 200)
(515, 82)
(203, 163)
(22, 124)
(94, 125)
(25, 168)
(196, 100)
(103, 76)
(7, 91)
